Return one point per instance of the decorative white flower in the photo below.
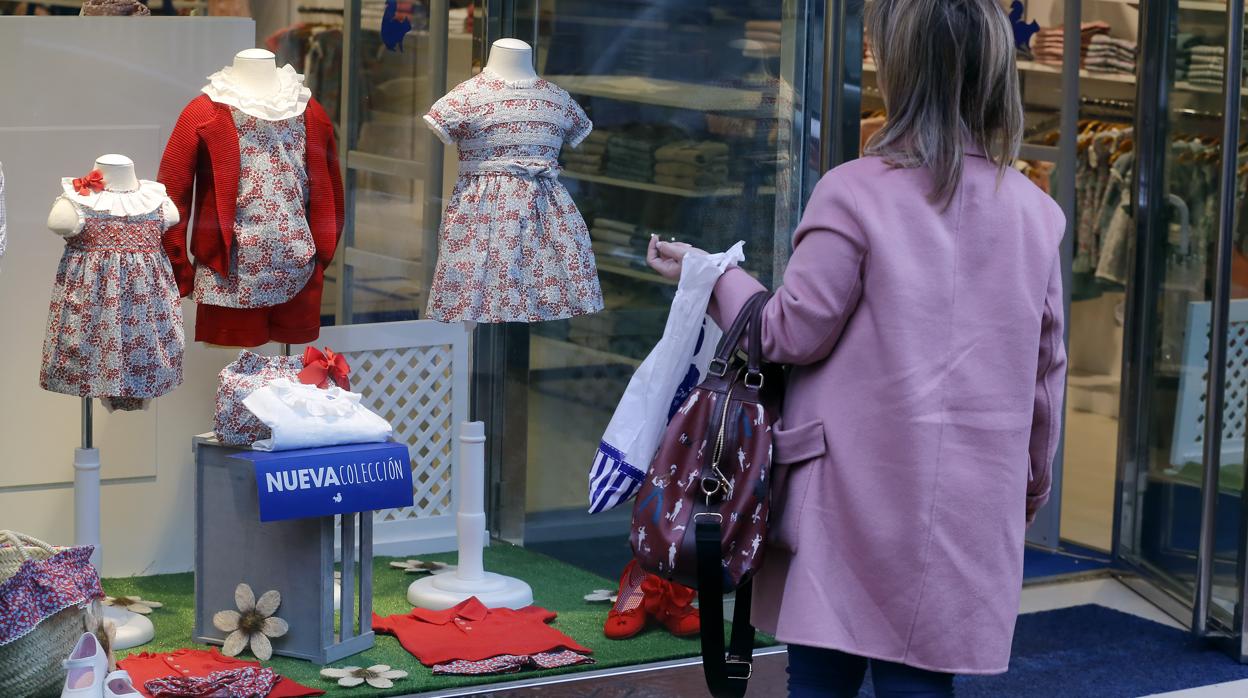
(422, 567)
(602, 596)
(134, 604)
(252, 624)
(377, 676)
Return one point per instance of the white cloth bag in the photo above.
(305, 416)
(674, 367)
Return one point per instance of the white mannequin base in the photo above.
(132, 629)
(442, 591)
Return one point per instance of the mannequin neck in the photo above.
(511, 59)
(255, 72)
(118, 173)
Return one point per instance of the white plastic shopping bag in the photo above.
(674, 367)
(305, 416)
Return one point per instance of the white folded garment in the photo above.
(305, 416)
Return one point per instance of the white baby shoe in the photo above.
(119, 685)
(85, 669)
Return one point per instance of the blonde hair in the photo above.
(947, 73)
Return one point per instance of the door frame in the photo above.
(1157, 27)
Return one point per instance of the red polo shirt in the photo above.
(472, 632)
(145, 666)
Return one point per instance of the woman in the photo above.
(921, 313)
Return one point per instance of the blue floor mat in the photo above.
(1069, 559)
(1095, 652)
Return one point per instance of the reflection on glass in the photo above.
(688, 143)
(1163, 533)
(390, 242)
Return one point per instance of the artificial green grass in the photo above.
(556, 586)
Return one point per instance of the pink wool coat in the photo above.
(922, 413)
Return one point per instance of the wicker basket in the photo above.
(31, 664)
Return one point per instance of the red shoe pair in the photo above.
(645, 597)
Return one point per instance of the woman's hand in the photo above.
(666, 257)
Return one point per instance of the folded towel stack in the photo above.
(692, 164)
(763, 38)
(1206, 65)
(1107, 54)
(1048, 44)
(630, 157)
(623, 242)
(589, 157)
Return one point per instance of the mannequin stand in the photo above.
(442, 591)
(132, 629)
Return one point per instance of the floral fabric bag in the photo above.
(234, 424)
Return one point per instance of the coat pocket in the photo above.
(793, 452)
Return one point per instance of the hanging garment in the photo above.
(145, 667)
(263, 176)
(115, 322)
(114, 8)
(472, 632)
(514, 247)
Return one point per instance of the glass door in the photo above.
(1182, 456)
(701, 131)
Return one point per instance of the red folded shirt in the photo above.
(146, 666)
(470, 631)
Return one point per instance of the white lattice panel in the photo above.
(415, 374)
(1189, 418)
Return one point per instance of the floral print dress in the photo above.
(513, 246)
(271, 259)
(115, 322)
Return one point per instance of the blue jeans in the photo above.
(819, 673)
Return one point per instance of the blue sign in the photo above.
(335, 480)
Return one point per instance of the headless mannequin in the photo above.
(118, 171)
(512, 60)
(255, 72)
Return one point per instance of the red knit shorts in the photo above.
(297, 321)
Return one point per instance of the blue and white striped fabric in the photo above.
(612, 480)
(673, 368)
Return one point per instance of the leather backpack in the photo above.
(700, 517)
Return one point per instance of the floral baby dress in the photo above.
(513, 246)
(115, 322)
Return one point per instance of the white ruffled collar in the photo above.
(290, 98)
(147, 198)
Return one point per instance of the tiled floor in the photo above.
(768, 681)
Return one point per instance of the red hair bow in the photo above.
(94, 181)
(319, 368)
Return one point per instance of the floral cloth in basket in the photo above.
(43, 588)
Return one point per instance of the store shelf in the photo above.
(1193, 5)
(1207, 89)
(665, 93)
(630, 272)
(1034, 67)
(655, 188)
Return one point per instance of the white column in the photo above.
(441, 591)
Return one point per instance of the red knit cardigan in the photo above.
(201, 164)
